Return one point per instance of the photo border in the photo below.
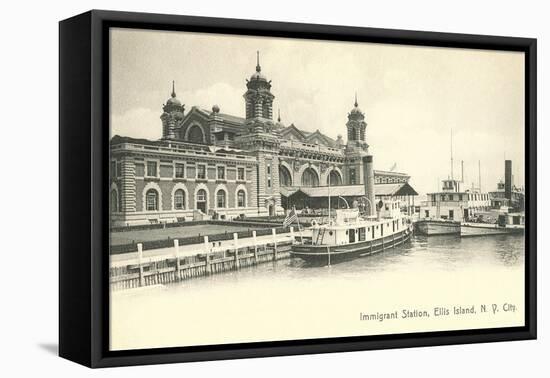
(84, 241)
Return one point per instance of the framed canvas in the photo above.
(235, 188)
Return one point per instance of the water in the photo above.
(289, 300)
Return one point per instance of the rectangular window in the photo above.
(460, 197)
(240, 173)
(180, 170)
(241, 198)
(269, 183)
(152, 169)
(362, 234)
(269, 169)
(201, 171)
(221, 173)
(352, 178)
(220, 197)
(179, 200)
(113, 168)
(451, 197)
(151, 201)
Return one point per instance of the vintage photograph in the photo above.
(268, 189)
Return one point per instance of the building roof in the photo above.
(389, 173)
(286, 192)
(117, 139)
(225, 117)
(325, 138)
(400, 189)
(303, 135)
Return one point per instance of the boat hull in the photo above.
(323, 254)
(468, 230)
(437, 227)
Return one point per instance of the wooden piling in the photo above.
(140, 263)
(236, 246)
(207, 253)
(177, 255)
(255, 246)
(274, 234)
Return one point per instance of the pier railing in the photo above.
(166, 243)
(160, 270)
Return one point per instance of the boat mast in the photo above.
(479, 174)
(452, 178)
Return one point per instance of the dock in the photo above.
(179, 263)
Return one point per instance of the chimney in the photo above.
(368, 174)
(508, 179)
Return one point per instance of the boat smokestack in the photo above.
(508, 179)
(368, 174)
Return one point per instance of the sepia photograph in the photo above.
(269, 189)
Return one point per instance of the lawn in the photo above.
(137, 236)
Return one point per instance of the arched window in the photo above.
(285, 179)
(152, 200)
(220, 199)
(195, 134)
(179, 199)
(334, 178)
(241, 198)
(114, 201)
(310, 178)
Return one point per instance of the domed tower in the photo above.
(356, 125)
(173, 112)
(258, 97)
(260, 139)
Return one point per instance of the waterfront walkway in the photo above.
(160, 254)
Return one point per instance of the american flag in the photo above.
(291, 217)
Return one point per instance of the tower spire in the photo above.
(258, 68)
(279, 115)
(173, 88)
(356, 104)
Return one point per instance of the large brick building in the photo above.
(210, 163)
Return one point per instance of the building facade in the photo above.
(211, 164)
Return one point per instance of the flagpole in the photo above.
(299, 226)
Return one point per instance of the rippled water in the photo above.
(422, 254)
(288, 299)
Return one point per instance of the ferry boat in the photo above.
(351, 235)
(445, 211)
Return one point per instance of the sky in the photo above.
(413, 97)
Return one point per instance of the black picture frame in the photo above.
(83, 196)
